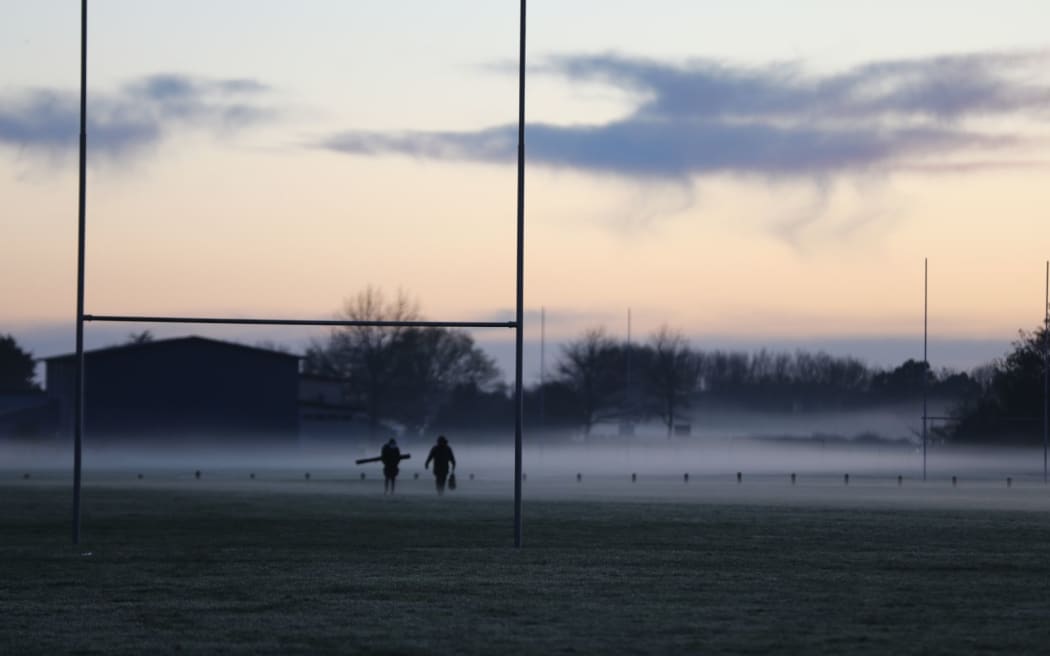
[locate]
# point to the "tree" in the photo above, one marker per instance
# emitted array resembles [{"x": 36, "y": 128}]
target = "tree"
[
  {"x": 399, "y": 373},
  {"x": 905, "y": 383},
  {"x": 827, "y": 381},
  {"x": 17, "y": 368},
  {"x": 552, "y": 403},
  {"x": 1010, "y": 407},
  {"x": 593, "y": 369},
  {"x": 672, "y": 375},
  {"x": 363, "y": 355},
  {"x": 428, "y": 365},
  {"x": 144, "y": 337},
  {"x": 958, "y": 385},
  {"x": 725, "y": 375},
  {"x": 470, "y": 407}
]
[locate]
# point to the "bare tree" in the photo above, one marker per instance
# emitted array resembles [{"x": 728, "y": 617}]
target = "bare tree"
[
  {"x": 400, "y": 373},
  {"x": 672, "y": 374},
  {"x": 363, "y": 355},
  {"x": 144, "y": 337},
  {"x": 429, "y": 363},
  {"x": 592, "y": 367}
]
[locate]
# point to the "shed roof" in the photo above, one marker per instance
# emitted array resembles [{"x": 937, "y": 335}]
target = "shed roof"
[{"x": 195, "y": 339}]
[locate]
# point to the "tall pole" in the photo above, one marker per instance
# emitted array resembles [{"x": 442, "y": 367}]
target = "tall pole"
[
  {"x": 78, "y": 379},
  {"x": 519, "y": 329},
  {"x": 925, "y": 359},
  {"x": 1046, "y": 367}
]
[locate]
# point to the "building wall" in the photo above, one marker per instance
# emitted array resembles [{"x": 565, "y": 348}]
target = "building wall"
[
  {"x": 319, "y": 389},
  {"x": 27, "y": 416},
  {"x": 190, "y": 388},
  {"x": 325, "y": 419}
]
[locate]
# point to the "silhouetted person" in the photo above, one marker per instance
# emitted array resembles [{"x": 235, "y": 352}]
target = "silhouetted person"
[
  {"x": 441, "y": 454},
  {"x": 391, "y": 458}
]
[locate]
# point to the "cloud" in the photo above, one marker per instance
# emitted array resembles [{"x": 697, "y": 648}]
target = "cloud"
[
  {"x": 944, "y": 88},
  {"x": 706, "y": 117},
  {"x": 140, "y": 114}
]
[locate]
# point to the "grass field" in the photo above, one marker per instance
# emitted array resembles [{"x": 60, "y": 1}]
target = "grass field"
[{"x": 335, "y": 567}]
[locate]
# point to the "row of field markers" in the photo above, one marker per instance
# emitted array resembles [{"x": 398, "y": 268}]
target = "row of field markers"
[{"x": 579, "y": 478}]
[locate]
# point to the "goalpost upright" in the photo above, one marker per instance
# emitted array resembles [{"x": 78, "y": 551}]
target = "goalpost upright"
[
  {"x": 82, "y": 317},
  {"x": 78, "y": 378}
]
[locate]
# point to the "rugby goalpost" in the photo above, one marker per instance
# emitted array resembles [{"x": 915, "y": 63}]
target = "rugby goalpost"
[{"x": 81, "y": 317}]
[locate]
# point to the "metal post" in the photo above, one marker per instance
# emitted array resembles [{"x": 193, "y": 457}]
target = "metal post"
[
  {"x": 518, "y": 334},
  {"x": 78, "y": 379},
  {"x": 925, "y": 359}
]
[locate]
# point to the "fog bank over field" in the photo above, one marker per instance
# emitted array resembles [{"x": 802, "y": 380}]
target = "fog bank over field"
[
  {"x": 872, "y": 446},
  {"x": 811, "y": 451},
  {"x": 885, "y": 429},
  {"x": 614, "y": 472}
]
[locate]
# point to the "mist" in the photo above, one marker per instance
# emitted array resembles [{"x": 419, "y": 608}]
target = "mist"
[{"x": 880, "y": 452}]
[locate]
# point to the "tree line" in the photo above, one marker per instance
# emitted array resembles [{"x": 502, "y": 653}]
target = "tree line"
[
  {"x": 422, "y": 378},
  {"x": 436, "y": 378},
  {"x": 599, "y": 379}
]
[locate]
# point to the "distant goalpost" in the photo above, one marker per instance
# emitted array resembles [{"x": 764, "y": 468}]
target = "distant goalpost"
[{"x": 81, "y": 317}]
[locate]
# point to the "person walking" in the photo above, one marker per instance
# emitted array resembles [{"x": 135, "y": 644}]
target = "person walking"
[
  {"x": 442, "y": 456},
  {"x": 391, "y": 458}
]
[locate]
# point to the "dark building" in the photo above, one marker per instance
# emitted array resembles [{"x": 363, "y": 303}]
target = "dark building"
[
  {"x": 27, "y": 416},
  {"x": 189, "y": 388},
  {"x": 325, "y": 417}
]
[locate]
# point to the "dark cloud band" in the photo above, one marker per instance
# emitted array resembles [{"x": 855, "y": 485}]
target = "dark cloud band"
[
  {"x": 706, "y": 117},
  {"x": 139, "y": 115}
]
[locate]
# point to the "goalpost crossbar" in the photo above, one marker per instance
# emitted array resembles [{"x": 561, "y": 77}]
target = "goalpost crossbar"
[{"x": 300, "y": 322}]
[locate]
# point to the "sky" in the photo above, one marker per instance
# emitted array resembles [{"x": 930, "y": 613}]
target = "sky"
[{"x": 752, "y": 174}]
